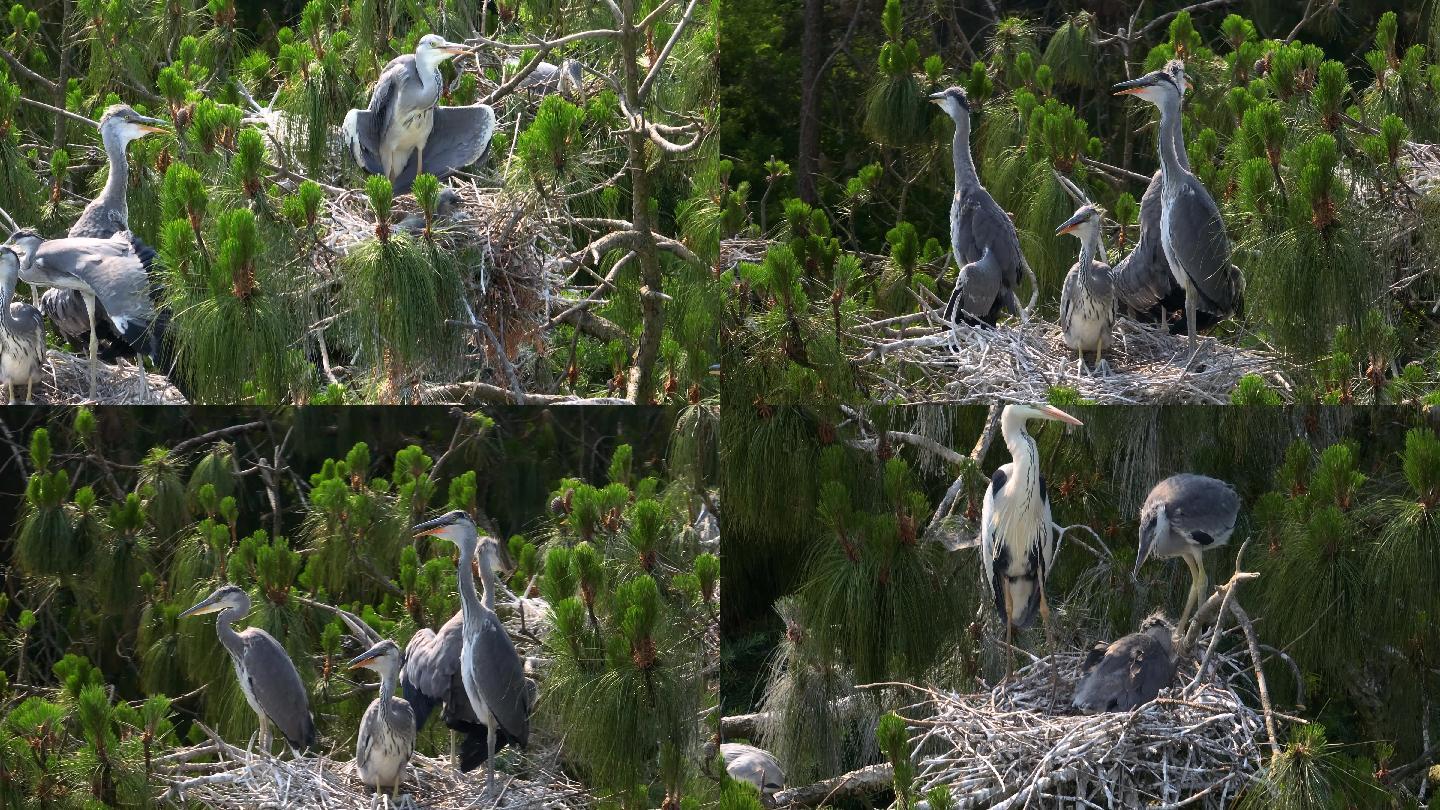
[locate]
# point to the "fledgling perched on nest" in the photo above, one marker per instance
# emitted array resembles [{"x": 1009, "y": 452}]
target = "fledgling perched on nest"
[{"x": 1130, "y": 672}]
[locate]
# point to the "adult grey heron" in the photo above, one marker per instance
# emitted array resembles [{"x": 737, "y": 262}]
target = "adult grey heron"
[
  {"x": 1184, "y": 516},
  {"x": 105, "y": 216},
  {"x": 113, "y": 273},
  {"x": 1087, "y": 301},
  {"x": 1017, "y": 537},
  {"x": 491, "y": 670},
  {"x": 986, "y": 285},
  {"x": 404, "y": 132},
  {"x": 1192, "y": 231},
  {"x": 267, "y": 676},
  {"x": 1130, "y": 672},
  {"x": 755, "y": 766},
  {"x": 431, "y": 677},
  {"x": 22, "y": 333},
  {"x": 567, "y": 79},
  {"x": 387, "y": 729}
]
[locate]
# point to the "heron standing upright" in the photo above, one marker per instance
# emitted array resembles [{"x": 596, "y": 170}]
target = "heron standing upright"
[
  {"x": 404, "y": 132},
  {"x": 105, "y": 216},
  {"x": 1184, "y": 516},
  {"x": 1087, "y": 301},
  {"x": 490, "y": 667},
  {"x": 431, "y": 677},
  {"x": 1017, "y": 537},
  {"x": 267, "y": 676},
  {"x": 985, "y": 285},
  {"x": 1130, "y": 672},
  {"x": 387, "y": 729},
  {"x": 1192, "y": 231},
  {"x": 113, "y": 273},
  {"x": 22, "y": 333}
]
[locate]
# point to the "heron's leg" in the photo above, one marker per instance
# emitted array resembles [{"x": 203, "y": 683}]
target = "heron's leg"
[
  {"x": 1049, "y": 639},
  {"x": 29, "y": 392},
  {"x": 490, "y": 753},
  {"x": 264, "y": 730},
  {"x": 94, "y": 342},
  {"x": 1190, "y": 316},
  {"x": 454, "y": 761},
  {"x": 1191, "y": 598},
  {"x": 9, "y": 394},
  {"x": 1009, "y": 637}
]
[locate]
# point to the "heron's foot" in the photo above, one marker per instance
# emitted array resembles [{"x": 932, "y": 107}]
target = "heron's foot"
[{"x": 1103, "y": 368}]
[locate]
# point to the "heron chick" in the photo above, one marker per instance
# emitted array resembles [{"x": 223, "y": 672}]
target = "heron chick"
[
  {"x": 1130, "y": 672},
  {"x": 387, "y": 729},
  {"x": 1087, "y": 301},
  {"x": 22, "y": 333}
]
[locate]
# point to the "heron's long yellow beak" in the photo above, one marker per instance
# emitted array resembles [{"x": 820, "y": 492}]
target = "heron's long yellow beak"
[
  {"x": 1058, "y": 415},
  {"x": 201, "y": 609},
  {"x": 361, "y": 662},
  {"x": 149, "y": 128}
]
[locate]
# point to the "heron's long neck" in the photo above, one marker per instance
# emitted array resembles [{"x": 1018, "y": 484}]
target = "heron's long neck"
[
  {"x": 1089, "y": 242},
  {"x": 429, "y": 76},
  {"x": 1023, "y": 452},
  {"x": 11, "y": 324},
  {"x": 1172, "y": 140},
  {"x": 1178, "y": 144},
  {"x": 118, "y": 179},
  {"x": 964, "y": 164},
  {"x": 470, "y": 605},
  {"x": 228, "y": 637},
  {"x": 387, "y": 685}
]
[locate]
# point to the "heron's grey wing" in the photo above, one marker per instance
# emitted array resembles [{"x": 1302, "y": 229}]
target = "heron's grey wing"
[
  {"x": 433, "y": 659},
  {"x": 277, "y": 687},
  {"x": 1069, "y": 296},
  {"x": 365, "y": 148},
  {"x": 384, "y": 98},
  {"x": 501, "y": 678},
  {"x": 991, "y": 227},
  {"x": 1201, "y": 508},
  {"x": 1199, "y": 243},
  {"x": 1143, "y": 278},
  {"x": 754, "y": 765},
  {"x": 461, "y": 136},
  {"x": 114, "y": 270},
  {"x": 545, "y": 78},
  {"x": 977, "y": 288},
  {"x": 98, "y": 221},
  {"x": 66, "y": 309}
]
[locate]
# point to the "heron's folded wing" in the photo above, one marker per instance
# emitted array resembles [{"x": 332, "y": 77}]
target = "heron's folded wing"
[
  {"x": 1201, "y": 245},
  {"x": 501, "y": 679},
  {"x": 979, "y": 286},
  {"x": 365, "y": 149},
  {"x": 277, "y": 687},
  {"x": 461, "y": 136}
]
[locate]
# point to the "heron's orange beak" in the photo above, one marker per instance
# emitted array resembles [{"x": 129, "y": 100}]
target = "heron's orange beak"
[
  {"x": 427, "y": 533},
  {"x": 360, "y": 662},
  {"x": 1067, "y": 228},
  {"x": 1058, "y": 415},
  {"x": 1129, "y": 91},
  {"x": 149, "y": 128}
]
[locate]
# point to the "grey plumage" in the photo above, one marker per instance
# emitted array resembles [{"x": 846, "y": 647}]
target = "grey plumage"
[
  {"x": 404, "y": 132},
  {"x": 1087, "y": 301},
  {"x": 567, "y": 79},
  {"x": 22, "y": 333},
  {"x": 755, "y": 766},
  {"x": 978, "y": 223},
  {"x": 1130, "y": 672},
  {"x": 1184, "y": 516},
  {"x": 446, "y": 205},
  {"x": 490, "y": 668},
  {"x": 386, "y": 737},
  {"x": 1192, "y": 231},
  {"x": 267, "y": 676}
]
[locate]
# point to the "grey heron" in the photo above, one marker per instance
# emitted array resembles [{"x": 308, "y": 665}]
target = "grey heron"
[
  {"x": 404, "y": 133},
  {"x": 1192, "y": 231},
  {"x": 1087, "y": 301},
  {"x": 22, "y": 333},
  {"x": 446, "y": 205},
  {"x": 387, "y": 729},
  {"x": 111, "y": 273},
  {"x": 1017, "y": 537},
  {"x": 267, "y": 676},
  {"x": 105, "y": 216},
  {"x": 755, "y": 766},
  {"x": 491, "y": 670},
  {"x": 567, "y": 79},
  {"x": 1184, "y": 516},
  {"x": 985, "y": 285},
  {"x": 431, "y": 677},
  {"x": 1130, "y": 672}
]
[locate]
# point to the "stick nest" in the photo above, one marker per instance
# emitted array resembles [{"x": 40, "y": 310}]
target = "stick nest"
[
  {"x": 1022, "y": 362},
  {"x": 238, "y": 781},
  {"x": 65, "y": 380},
  {"x": 1198, "y": 743}
]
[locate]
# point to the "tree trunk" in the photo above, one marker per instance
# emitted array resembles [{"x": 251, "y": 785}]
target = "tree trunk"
[
  {"x": 807, "y": 164},
  {"x": 641, "y": 386}
]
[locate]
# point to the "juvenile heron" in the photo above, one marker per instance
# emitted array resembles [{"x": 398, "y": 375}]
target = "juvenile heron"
[
  {"x": 404, "y": 132},
  {"x": 431, "y": 677},
  {"x": 567, "y": 79},
  {"x": 1192, "y": 231},
  {"x": 1184, "y": 516},
  {"x": 1087, "y": 301},
  {"x": 755, "y": 766},
  {"x": 22, "y": 333},
  {"x": 985, "y": 285},
  {"x": 105, "y": 216},
  {"x": 1130, "y": 672},
  {"x": 491, "y": 670},
  {"x": 1017, "y": 537},
  {"x": 446, "y": 205},
  {"x": 267, "y": 676},
  {"x": 113, "y": 273},
  {"x": 387, "y": 729}
]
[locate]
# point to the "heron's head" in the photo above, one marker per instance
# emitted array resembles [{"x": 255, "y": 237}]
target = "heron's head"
[
  {"x": 24, "y": 243},
  {"x": 1156, "y": 87},
  {"x": 454, "y": 526},
  {"x": 953, "y": 101},
  {"x": 1085, "y": 223},
  {"x": 9, "y": 268},
  {"x": 1157, "y": 621},
  {"x": 1022, "y": 412},
  {"x": 226, "y": 597},
  {"x": 1154, "y": 524},
  {"x": 447, "y": 203},
  {"x": 1175, "y": 68},
  {"x": 383, "y": 656},
  {"x": 432, "y": 49},
  {"x": 123, "y": 124}
]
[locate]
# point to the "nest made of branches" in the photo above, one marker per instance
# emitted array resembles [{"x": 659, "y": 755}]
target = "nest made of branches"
[
  {"x": 241, "y": 780},
  {"x": 1022, "y": 362},
  {"x": 1197, "y": 744},
  {"x": 65, "y": 380}
]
